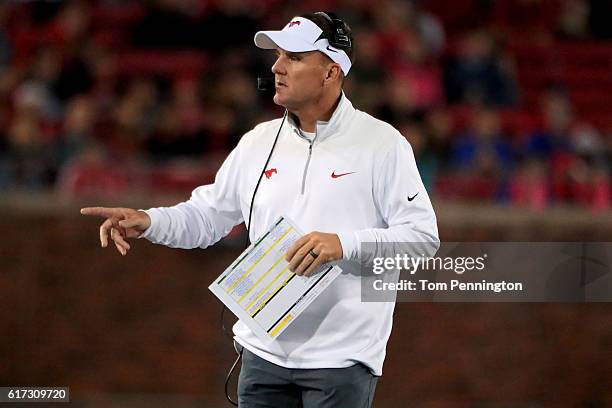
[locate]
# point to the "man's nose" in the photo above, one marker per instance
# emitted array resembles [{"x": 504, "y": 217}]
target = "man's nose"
[{"x": 278, "y": 68}]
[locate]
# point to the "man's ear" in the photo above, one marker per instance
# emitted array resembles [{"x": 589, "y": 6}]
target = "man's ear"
[{"x": 333, "y": 73}]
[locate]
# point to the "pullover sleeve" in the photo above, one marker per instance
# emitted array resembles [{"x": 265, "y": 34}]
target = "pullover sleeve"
[{"x": 401, "y": 198}]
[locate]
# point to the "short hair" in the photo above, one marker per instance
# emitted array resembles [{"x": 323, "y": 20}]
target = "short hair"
[{"x": 328, "y": 31}]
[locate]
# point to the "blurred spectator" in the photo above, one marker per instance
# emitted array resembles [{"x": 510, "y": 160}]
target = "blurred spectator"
[
  {"x": 407, "y": 44},
  {"x": 69, "y": 32},
  {"x": 104, "y": 78},
  {"x": 420, "y": 76},
  {"x": 483, "y": 156},
  {"x": 554, "y": 135},
  {"x": 585, "y": 184},
  {"x": 134, "y": 117},
  {"x": 37, "y": 89},
  {"x": 589, "y": 174},
  {"x": 179, "y": 129},
  {"x": 30, "y": 157},
  {"x": 398, "y": 22},
  {"x": 78, "y": 129},
  {"x": 551, "y": 144},
  {"x": 70, "y": 27},
  {"x": 574, "y": 19},
  {"x": 235, "y": 89},
  {"x": 439, "y": 127},
  {"x": 479, "y": 74},
  {"x": 368, "y": 94},
  {"x": 601, "y": 199},
  {"x": 427, "y": 161},
  {"x": 399, "y": 101},
  {"x": 411, "y": 40},
  {"x": 391, "y": 24},
  {"x": 483, "y": 145},
  {"x": 529, "y": 186},
  {"x": 587, "y": 142},
  {"x": 91, "y": 173},
  {"x": 166, "y": 140},
  {"x": 232, "y": 92},
  {"x": 186, "y": 103},
  {"x": 32, "y": 128},
  {"x": 427, "y": 28}
]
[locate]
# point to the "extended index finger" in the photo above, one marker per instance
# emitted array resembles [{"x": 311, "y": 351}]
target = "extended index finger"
[{"x": 99, "y": 211}]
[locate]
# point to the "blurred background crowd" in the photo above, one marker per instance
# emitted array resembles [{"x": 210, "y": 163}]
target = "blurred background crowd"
[
  {"x": 120, "y": 102},
  {"x": 503, "y": 101}
]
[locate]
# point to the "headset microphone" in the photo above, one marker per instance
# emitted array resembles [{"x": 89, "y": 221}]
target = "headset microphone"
[{"x": 265, "y": 83}]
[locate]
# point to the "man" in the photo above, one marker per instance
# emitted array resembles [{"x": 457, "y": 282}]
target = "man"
[{"x": 336, "y": 171}]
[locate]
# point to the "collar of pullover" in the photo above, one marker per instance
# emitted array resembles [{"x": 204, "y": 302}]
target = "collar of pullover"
[{"x": 339, "y": 119}]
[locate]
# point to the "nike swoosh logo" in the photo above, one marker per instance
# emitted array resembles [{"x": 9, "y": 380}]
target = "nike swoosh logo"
[
  {"x": 412, "y": 198},
  {"x": 329, "y": 49},
  {"x": 334, "y": 175}
]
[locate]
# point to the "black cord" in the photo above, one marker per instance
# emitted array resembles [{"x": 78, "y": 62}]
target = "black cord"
[
  {"x": 261, "y": 176},
  {"x": 229, "y": 376},
  {"x": 223, "y": 328},
  {"x": 246, "y": 245}
]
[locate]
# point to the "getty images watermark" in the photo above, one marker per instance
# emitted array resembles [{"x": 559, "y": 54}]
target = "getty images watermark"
[
  {"x": 487, "y": 271},
  {"x": 458, "y": 265}
]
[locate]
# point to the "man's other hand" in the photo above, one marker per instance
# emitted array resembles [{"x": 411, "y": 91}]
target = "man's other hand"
[
  {"x": 301, "y": 255},
  {"x": 121, "y": 223}
]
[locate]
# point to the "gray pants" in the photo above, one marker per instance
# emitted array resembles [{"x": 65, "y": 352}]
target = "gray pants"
[{"x": 264, "y": 384}]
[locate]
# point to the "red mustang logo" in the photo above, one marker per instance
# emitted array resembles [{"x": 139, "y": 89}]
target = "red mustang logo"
[
  {"x": 270, "y": 172},
  {"x": 294, "y": 23}
]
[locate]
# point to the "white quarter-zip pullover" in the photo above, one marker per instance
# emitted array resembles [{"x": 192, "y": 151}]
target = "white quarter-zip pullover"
[{"x": 353, "y": 179}]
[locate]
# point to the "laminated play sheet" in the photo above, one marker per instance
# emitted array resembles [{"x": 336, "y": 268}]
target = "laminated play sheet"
[{"x": 261, "y": 291}]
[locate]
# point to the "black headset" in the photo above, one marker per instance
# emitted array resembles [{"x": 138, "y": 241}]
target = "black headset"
[{"x": 340, "y": 39}]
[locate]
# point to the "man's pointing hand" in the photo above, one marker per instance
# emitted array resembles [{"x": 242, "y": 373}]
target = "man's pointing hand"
[{"x": 121, "y": 223}]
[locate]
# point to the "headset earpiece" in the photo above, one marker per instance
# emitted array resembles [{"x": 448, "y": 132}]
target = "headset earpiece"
[{"x": 340, "y": 39}]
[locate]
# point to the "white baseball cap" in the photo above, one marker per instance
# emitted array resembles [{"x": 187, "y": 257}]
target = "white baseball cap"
[{"x": 301, "y": 35}]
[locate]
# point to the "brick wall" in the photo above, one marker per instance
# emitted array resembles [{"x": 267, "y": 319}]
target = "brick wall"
[{"x": 130, "y": 327}]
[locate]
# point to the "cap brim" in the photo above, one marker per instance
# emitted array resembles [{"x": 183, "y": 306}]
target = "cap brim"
[{"x": 269, "y": 40}]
